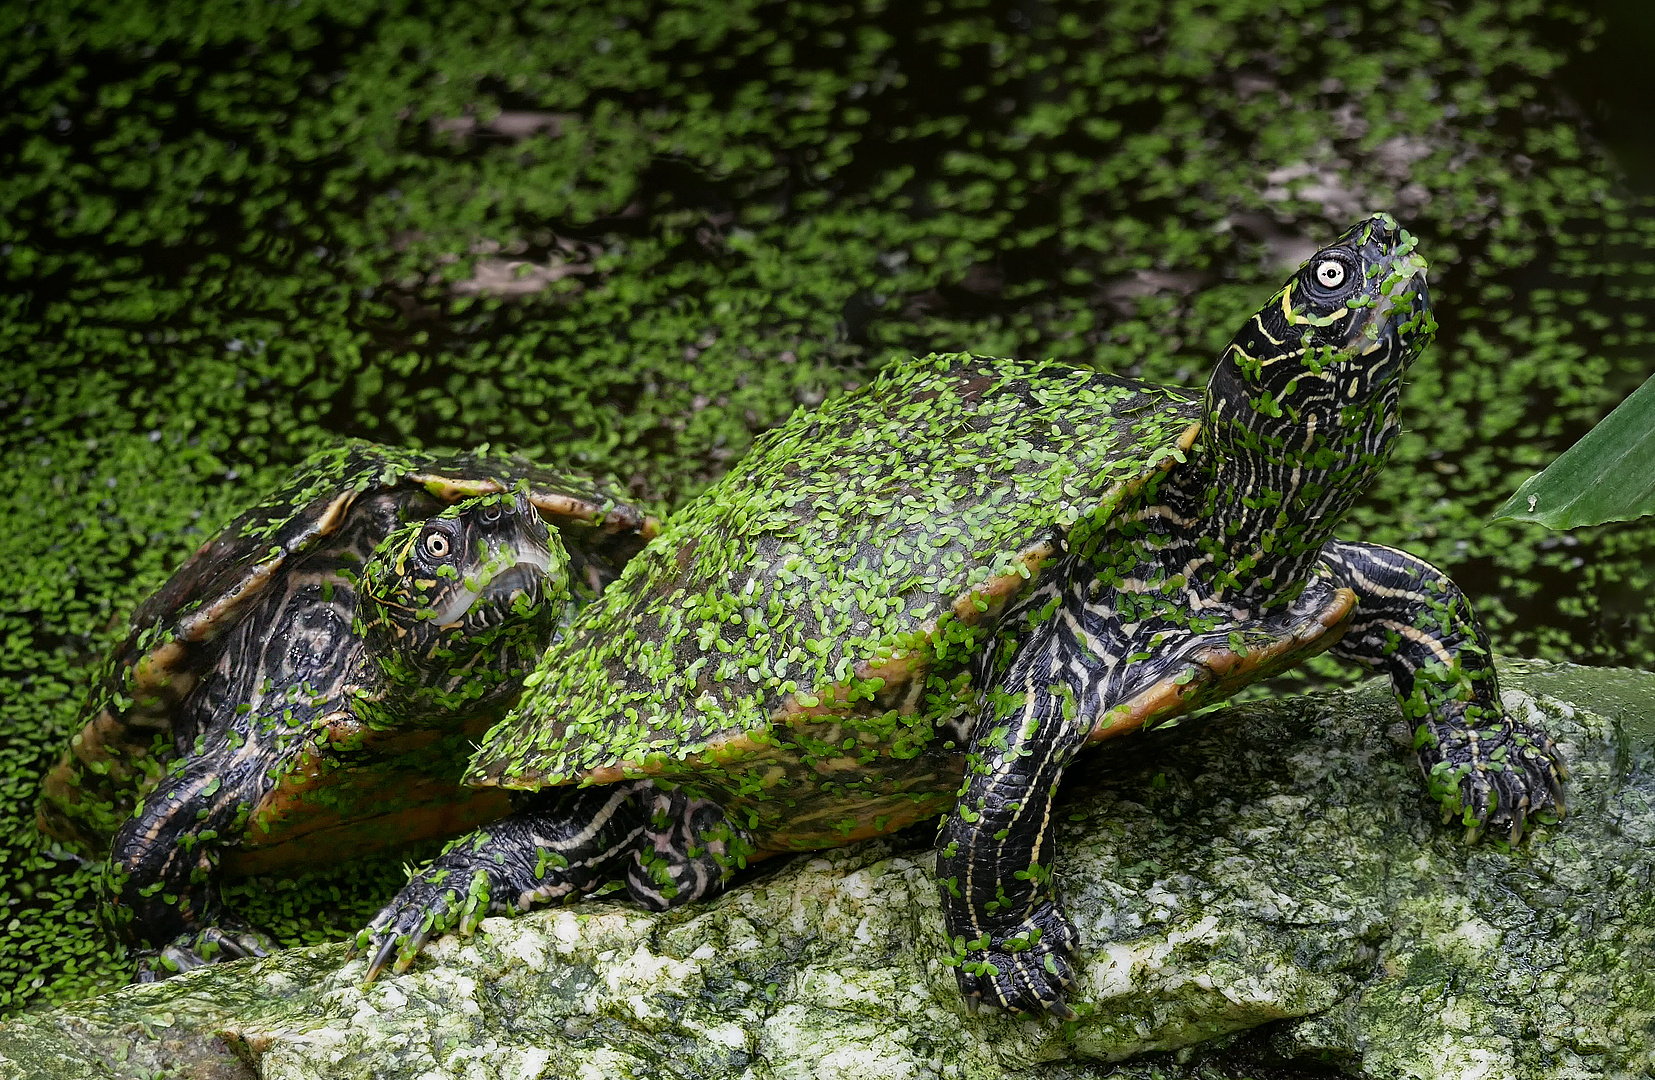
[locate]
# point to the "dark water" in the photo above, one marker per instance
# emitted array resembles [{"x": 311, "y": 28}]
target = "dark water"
[{"x": 1615, "y": 85}]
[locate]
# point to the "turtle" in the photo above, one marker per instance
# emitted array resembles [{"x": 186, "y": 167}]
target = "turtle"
[
  {"x": 927, "y": 597},
  {"x": 307, "y": 686}
]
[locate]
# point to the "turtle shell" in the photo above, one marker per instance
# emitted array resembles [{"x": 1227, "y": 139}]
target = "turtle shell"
[
  {"x": 808, "y": 622},
  {"x": 176, "y": 634}
]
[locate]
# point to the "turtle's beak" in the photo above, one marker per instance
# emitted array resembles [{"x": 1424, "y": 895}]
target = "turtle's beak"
[
  {"x": 526, "y": 578},
  {"x": 524, "y": 575},
  {"x": 1402, "y": 323},
  {"x": 1407, "y": 326}
]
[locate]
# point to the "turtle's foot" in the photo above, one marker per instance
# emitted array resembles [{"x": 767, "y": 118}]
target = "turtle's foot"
[
  {"x": 214, "y": 945},
  {"x": 1023, "y": 967},
  {"x": 436, "y": 901},
  {"x": 1500, "y": 776},
  {"x": 560, "y": 844}
]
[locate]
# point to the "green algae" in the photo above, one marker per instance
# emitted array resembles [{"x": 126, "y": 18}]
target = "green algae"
[{"x": 227, "y": 241}]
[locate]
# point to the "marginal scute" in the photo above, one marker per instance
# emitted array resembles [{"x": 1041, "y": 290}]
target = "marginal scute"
[
  {"x": 990, "y": 598},
  {"x": 453, "y": 489},
  {"x": 211, "y": 618}
]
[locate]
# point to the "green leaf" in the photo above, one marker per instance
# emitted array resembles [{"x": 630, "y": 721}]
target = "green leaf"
[{"x": 1609, "y": 475}]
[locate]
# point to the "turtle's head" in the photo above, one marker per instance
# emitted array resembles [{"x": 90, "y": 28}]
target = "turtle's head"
[
  {"x": 455, "y": 609},
  {"x": 1336, "y": 337}
]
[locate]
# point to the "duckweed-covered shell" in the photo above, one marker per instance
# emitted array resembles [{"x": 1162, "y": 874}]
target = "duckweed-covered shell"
[
  {"x": 829, "y": 591},
  {"x": 128, "y": 735}
]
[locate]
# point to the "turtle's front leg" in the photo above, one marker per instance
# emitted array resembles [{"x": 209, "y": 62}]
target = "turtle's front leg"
[
  {"x": 994, "y": 864},
  {"x": 560, "y": 842},
  {"x": 158, "y": 886},
  {"x": 1415, "y": 625}
]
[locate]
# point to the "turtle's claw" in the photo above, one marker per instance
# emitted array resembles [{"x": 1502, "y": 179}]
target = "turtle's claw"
[
  {"x": 1023, "y": 969},
  {"x": 390, "y": 940},
  {"x": 428, "y": 906},
  {"x": 1501, "y": 777},
  {"x": 381, "y": 957},
  {"x": 211, "y": 945}
]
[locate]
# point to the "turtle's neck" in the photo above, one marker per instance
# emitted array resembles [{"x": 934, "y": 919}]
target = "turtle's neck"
[{"x": 1245, "y": 517}]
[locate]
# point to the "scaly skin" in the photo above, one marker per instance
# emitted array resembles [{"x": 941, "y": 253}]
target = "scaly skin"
[
  {"x": 558, "y": 845},
  {"x": 1416, "y": 626}
]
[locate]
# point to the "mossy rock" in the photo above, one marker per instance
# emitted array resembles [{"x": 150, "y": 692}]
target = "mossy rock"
[{"x": 1263, "y": 885}]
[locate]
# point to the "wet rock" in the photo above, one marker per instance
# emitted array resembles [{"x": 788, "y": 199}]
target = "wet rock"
[{"x": 1266, "y": 881}]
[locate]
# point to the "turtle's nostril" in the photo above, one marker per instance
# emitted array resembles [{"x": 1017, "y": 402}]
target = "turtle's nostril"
[{"x": 491, "y": 513}]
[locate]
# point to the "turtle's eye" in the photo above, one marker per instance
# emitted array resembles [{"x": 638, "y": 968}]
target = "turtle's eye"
[
  {"x": 437, "y": 545},
  {"x": 1330, "y": 279}
]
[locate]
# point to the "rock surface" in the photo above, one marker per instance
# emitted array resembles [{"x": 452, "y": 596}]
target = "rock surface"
[{"x": 1270, "y": 869}]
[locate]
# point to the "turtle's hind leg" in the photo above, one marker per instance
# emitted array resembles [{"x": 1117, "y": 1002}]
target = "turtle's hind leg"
[
  {"x": 559, "y": 843},
  {"x": 1415, "y": 625},
  {"x": 689, "y": 851}
]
